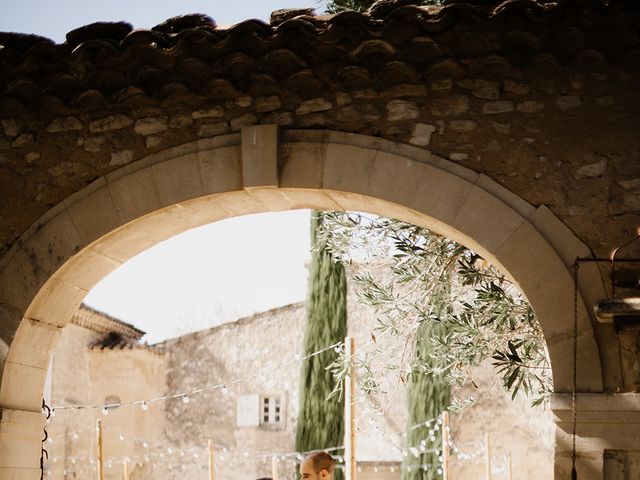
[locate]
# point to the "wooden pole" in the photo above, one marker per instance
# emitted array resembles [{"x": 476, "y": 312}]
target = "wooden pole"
[
  {"x": 509, "y": 471},
  {"x": 274, "y": 468},
  {"x": 487, "y": 443},
  {"x": 445, "y": 445},
  {"x": 100, "y": 451},
  {"x": 350, "y": 413},
  {"x": 126, "y": 468},
  {"x": 212, "y": 461}
]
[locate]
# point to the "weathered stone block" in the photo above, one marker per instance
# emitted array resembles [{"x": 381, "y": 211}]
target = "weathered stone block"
[
  {"x": 93, "y": 144},
  {"x": 343, "y": 99},
  {"x": 441, "y": 84},
  {"x": 592, "y": 170},
  {"x": 503, "y": 128},
  {"x": 459, "y": 157},
  {"x": 121, "y": 158},
  {"x": 244, "y": 102},
  {"x": 31, "y": 157},
  {"x": 487, "y": 89},
  {"x": 22, "y": 140},
  {"x": 501, "y": 106},
  {"x": 404, "y": 90},
  {"x": 530, "y": 106},
  {"x": 313, "y": 106},
  {"x": 629, "y": 184},
  {"x": 260, "y": 156},
  {"x": 462, "y": 125},
  {"x": 10, "y": 127},
  {"x": 150, "y": 125},
  {"x": 399, "y": 110},
  {"x": 243, "y": 121},
  {"x": 215, "y": 112},
  {"x": 450, "y": 105},
  {"x": 267, "y": 104},
  {"x": 607, "y": 101},
  {"x": 153, "y": 141},
  {"x": 567, "y": 102},
  {"x": 180, "y": 121},
  {"x": 64, "y": 124},
  {"x": 280, "y": 118},
  {"x": 518, "y": 88},
  {"x": 628, "y": 203},
  {"x": 422, "y": 134},
  {"x": 112, "y": 122},
  {"x": 213, "y": 129}
]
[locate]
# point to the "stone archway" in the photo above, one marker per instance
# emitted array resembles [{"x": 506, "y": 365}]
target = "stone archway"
[{"x": 49, "y": 271}]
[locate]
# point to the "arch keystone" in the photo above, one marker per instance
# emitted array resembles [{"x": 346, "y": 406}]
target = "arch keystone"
[{"x": 260, "y": 156}]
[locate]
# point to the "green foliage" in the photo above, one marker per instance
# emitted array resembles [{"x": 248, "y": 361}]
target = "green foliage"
[
  {"x": 428, "y": 395},
  {"x": 335, "y": 6},
  {"x": 429, "y": 279},
  {"x": 320, "y": 421}
]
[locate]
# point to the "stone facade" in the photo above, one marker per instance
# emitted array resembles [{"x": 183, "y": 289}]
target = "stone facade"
[
  {"x": 176, "y": 433},
  {"x": 88, "y": 368}
]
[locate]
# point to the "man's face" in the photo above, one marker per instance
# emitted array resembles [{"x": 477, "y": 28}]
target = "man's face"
[{"x": 307, "y": 472}]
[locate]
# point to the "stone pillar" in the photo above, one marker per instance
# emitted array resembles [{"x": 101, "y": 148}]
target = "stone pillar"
[
  {"x": 21, "y": 434},
  {"x": 608, "y": 431}
]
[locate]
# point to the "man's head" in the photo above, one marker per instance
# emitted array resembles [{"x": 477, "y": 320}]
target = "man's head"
[{"x": 317, "y": 466}]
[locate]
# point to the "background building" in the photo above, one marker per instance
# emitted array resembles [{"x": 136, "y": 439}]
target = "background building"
[{"x": 251, "y": 420}]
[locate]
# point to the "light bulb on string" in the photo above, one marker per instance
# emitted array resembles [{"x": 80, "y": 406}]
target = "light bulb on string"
[
  {"x": 121, "y": 437},
  {"x": 144, "y": 406},
  {"x": 105, "y": 411},
  {"x": 225, "y": 390},
  {"x": 185, "y": 398}
]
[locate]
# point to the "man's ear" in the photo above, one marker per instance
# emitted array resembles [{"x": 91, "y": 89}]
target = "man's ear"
[{"x": 324, "y": 473}]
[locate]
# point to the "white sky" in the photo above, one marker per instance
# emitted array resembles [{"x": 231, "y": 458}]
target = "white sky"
[
  {"x": 54, "y": 18},
  {"x": 208, "y": 275}
]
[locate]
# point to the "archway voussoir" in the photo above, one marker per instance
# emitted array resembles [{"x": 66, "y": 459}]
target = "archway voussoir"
[
  {"x": 138, "y": 236},
  {"x": 82, "y": 210},
  {"x": 20, "y": 443},
  {"x": 34, "y": 341},
  {"x": 524, "y": 208},
  {"x": 85, "y": 271},
  {"x": 348, "y": 168},
  {"x": 302, "y": 164},
  {"x": 311, "y": 199},
  {"x": 440, "y": 195},
  {"x": 55, "y": 303},
  {"x": 221, "y": 169},
  {"x": 395, "y": 178},
  {"x": 53, "y": 243},
  {"x": 134, "y": 195},
  {"x": 178, "y": 179},
  {"x": 20, "y": 279},
  {"x": 22, "y": 387},
  {"x": 486, "y": 219}
]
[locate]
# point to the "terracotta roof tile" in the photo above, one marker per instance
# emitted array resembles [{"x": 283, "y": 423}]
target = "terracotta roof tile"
[{"x": 112, "y": 64}]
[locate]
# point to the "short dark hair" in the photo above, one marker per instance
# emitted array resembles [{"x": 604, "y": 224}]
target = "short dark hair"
[{"x": 321, "y": 461}]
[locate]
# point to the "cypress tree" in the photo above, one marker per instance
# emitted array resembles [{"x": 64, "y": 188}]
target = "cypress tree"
[
  {"x": 321, "y": 421},
  {"x": 428, "y": 395}
]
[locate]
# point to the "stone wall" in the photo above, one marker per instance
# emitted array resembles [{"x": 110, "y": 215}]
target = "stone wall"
[
  {"x": 265, "y": 340},
  {"x": 541, "y": 99},
  {"x": 81, "y": 375}
]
